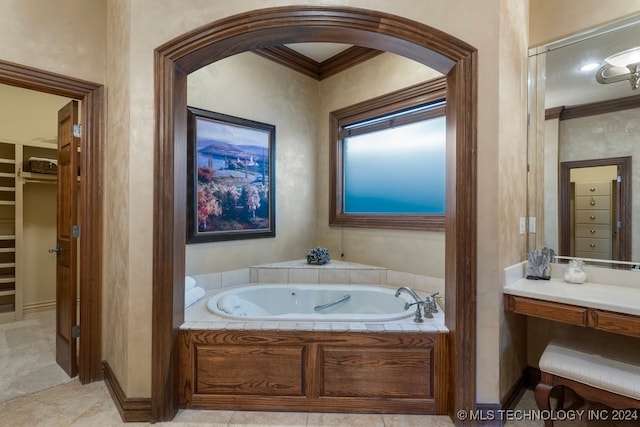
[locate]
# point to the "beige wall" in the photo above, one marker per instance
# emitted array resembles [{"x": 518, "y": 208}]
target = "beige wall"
[
  {"x": 556, "y": 19},
  {"x": 124, "y": 316},
  {"x": 255, "y": 88},
  {"x": 39, "y": 287},
  {"x": 252, "y": 87},
  {"x": 408, "y": 251},
  {"x": 504, "y": 246},
  {"x": 62, "y": 36}
]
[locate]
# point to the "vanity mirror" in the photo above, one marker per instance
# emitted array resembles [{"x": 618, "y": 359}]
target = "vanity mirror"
[{"x": 584, "y": 144}]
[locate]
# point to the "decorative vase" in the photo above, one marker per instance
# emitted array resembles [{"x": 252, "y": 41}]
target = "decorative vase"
[{"x": 573, "y": 272}]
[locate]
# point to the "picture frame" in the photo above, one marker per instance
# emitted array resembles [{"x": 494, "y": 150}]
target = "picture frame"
[{"x": 230, "y": 177}]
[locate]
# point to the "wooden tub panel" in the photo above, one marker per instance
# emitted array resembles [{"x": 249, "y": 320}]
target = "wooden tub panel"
[
  {"x": 364, "y": 372},
  {"x": 313, "y": 371},
  {"x": 249, "y": 370}
]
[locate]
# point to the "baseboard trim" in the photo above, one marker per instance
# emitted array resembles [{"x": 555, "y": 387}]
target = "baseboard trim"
[
  {"x": 488, "y": 415},
  {"x": 510, "y": 400},
  {"x": 131, "y": 409},
  {"x": 39, "y": 306}
]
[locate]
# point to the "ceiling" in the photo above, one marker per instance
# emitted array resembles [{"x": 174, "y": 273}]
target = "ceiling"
[
  {"x": 319, "y": 52},
  {"x": 567, "y": 86},
  {"x": 318, "y": 60}
]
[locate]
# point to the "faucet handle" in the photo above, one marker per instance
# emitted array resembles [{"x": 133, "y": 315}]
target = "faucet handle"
[
  {"x": 428, "y": 308},
  {"x": 418, "y": 316},
  {"x": 434, "y": 304}
]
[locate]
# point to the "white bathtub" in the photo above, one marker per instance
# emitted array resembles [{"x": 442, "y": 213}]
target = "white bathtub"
[{"x": 304, "y": 302}]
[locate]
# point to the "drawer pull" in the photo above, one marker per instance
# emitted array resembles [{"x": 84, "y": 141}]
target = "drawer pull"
[
  {"x": 592, "y": 202},
  {"x": 592, "y": 217},
  {"x": 593, "y": 245},
  {"x": 592, "y": 189},
  {"x": 592, "y": 231}
]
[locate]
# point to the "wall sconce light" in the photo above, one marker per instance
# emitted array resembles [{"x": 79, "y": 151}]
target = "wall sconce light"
[{"x": 621, "y": 66}]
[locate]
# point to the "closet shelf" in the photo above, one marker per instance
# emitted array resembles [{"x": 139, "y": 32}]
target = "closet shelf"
[
  {"x": 7, "y": 250},
  {"x": 7, "y": 202},
  {"x": 38, "y": 177},
  {"x": 8, "y": 161},
  {"x": 7, "y": 175},
  {"x": 6, "y": 293},
  {"x": 13, "y": 189},
  {"x": 7, "y": 237},
  {"x": 7, "y": 264},
  {"x": 7, "y": 278}
]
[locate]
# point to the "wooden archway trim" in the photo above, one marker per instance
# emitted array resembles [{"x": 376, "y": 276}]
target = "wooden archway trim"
[
  {"x": 275, "y": 26},
  {"x": 91, "y": 190}
]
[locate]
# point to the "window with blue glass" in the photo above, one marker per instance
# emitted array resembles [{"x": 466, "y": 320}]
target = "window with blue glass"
[{"x": 389, "y": 160}]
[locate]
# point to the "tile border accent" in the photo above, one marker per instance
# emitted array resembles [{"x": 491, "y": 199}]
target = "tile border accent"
[{"x": 131, "y": 409}]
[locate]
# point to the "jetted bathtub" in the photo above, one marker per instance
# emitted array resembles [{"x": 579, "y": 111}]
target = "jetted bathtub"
[
  {"x": 311, "y": 302},
  {"x": 268, "y": 358}
]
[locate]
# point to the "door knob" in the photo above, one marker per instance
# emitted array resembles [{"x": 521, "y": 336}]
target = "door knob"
[{"x": 56, "y": 250}]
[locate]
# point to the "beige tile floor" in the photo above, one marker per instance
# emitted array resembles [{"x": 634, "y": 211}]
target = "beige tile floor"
[{"x": 71, "y": 404}]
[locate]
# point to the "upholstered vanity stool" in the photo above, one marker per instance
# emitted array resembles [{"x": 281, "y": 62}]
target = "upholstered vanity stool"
[{"x": 606, "y": 375}]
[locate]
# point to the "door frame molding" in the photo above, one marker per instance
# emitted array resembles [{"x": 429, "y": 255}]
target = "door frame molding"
[
  {"x": 91, "y": 199},
  {"x": 624, "y": 165},
  {"x": 290, "y": 24}
]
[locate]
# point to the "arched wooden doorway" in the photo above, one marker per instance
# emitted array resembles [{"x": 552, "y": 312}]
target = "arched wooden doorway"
[{"x": 298, "y": 24}]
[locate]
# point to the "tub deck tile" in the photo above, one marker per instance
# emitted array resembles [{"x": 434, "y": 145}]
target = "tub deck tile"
[
  {"x": 322, "y": 326},
  {"x": 236, "y": 326},
  {"x": 304, "y": 326},
  {"x": 340, "y": 327},
  {"x": 287, "y": 326},
  {"x": 356, "y": 327}
]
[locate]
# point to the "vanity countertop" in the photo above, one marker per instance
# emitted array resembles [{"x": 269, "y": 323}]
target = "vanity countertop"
[{"x": 615, "y": 298}]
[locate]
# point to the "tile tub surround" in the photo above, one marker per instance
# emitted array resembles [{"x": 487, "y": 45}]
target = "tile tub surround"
[
  {"x": 334, "y": 272},
  {"x": 300, "y": 272},
  {"x": 198, "y": 317}
]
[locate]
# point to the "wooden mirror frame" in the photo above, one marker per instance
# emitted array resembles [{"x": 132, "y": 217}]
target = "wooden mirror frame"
[
  {"x": 298, "y": 24},
  {"x": 624, "y": 240}
]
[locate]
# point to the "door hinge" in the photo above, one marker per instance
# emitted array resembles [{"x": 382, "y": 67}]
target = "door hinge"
[
  {"x": 75, "y": 331},
  {"x": 618, "y": 224},
  {"x": 75, "y": 231},
  {"x": 619, "y": 178},
  {"x": 77, "y": 130}
]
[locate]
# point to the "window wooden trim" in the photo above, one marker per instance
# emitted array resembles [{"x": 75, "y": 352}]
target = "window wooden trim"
[{"x": 410, "y": 97}]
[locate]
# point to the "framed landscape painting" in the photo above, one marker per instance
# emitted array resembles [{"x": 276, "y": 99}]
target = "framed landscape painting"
[{"x": 230, "y": 183}]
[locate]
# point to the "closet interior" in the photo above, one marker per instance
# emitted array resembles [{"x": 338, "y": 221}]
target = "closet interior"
[{"x": 28, "y": 201}]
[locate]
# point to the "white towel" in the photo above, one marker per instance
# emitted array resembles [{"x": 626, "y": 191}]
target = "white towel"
[
  {"x": 193, "y": 295},
  {"x": 189, "y": 283}
]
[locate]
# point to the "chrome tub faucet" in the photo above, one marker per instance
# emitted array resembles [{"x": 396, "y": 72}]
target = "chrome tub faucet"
[{"x": 418, "y": 302}]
